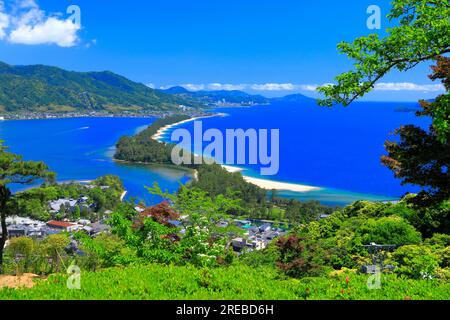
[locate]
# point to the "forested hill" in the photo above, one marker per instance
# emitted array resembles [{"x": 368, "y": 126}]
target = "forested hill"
[{"x": 40, "y": 88}]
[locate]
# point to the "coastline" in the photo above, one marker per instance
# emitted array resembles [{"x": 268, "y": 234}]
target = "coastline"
[
  {"x": 272, "y": 184},
  {"x": 260, "y": 182},
  {"x": 163, "y": 130}
]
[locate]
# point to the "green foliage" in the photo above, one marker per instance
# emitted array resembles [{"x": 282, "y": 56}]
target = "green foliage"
[
  {"x": 38, "y": 257},
  {"x": 215, "y": 180},
  {"x": 154, "y": 239},
  {"x": 158, "y": 282},
  {"x": 389, "y": 230},
  {"x": 304, "y": 212},
  {"x": 300, "y": 257},
  {"x": 143, "y": 148},
  {"x": 33, "y": 203},
  {"x": 42, "y": 88},
  {"x": 429, "y": 220},
  {"x": 417, "y": 262},
  {"x": 14, "y": 170},
  {"x": 104, "y": 251},
  {"x": 342, "y": 235},
  {"x": 261, "y": 258},
  {"x": 253, "y": 200},
  {"x": 422, "y": 32},
  {"x": 441, "y": 240}
]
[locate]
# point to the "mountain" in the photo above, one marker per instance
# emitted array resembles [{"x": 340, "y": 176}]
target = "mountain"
[
  {"x": 219, "y": 97},
  {"x": 293, "y": 98},
  {"x": 40, "y": 88},
  {"x": 177, "y": 90}
]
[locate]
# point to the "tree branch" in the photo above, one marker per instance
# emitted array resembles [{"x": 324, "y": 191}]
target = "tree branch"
[{"x": 395, "y": 62}]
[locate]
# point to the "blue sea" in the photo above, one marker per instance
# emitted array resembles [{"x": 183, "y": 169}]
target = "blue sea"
[
  {"x": 336, "y": 149},
  {"x": 80, "y": 149}
]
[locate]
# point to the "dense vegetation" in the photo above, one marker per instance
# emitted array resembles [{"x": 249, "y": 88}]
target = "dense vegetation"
[
  {"x": 421, "y": 34},
  {"x": 254, "y": 201},
  {"x": 159, "y": 282},
  {"x": 148, "y": 256},
  {"x": 422, "y": 157},
  {"x": 14, "y": 170},
  {"x": 33, "y": 203},
  {"x": 143, "y": 148},
  {"x": 42, "y": 88},
  {"x": 339, "y": 242}
]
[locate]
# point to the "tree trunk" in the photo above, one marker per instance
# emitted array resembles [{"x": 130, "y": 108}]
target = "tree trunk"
[{"x": 4, "y": 196}]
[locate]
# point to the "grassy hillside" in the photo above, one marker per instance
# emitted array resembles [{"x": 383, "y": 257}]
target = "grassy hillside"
[
  {"x": 170, "y": 282},
  {"x": 41, "y": 88}
]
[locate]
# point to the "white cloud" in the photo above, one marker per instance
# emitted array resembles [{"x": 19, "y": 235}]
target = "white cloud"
[
  {"x": 168, "y": 86},
  {"x": 193, "y": 87},
  {"x": 150, "y": 85},
  {"x": 273, "y": 87},
  {"x": 227, "y": 87},
  {"x": 408, "y": 86},
  {"x": 308, "y": 87},
  {"x": 284, "y": 87},
  {"x": 27, "y": 24},
  {"x": 52, "y": 31},
  {"x": 4, "y": 21}
]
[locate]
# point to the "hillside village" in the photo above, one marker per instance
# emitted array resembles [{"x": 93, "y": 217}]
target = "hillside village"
[{"x": 254, "y": 235}]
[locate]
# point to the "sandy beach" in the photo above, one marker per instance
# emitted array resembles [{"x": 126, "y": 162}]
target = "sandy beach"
[
  {"x": 158, "y": 135},
  {"x": 262, "y": 183},
  {"x": 270, "y": 184}
]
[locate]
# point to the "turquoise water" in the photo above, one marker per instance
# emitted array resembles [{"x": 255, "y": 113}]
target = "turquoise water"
[
  {"x": 336, "y": 149},
  {"x": 82, "y": 149}
]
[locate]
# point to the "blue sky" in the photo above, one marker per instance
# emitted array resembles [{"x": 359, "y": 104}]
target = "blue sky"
[{"x": 265, "y": 46}]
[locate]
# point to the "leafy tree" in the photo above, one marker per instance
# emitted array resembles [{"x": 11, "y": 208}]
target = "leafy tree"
[
  {"x": 418, "y": 262},
  {"x": 14, "y": 170},
  {"x": 161, "y": 213},
  {"x": 389, "y": 230},
  {"x": 23, "y": 248},
  {"x": 54, "y": 247},
  {"x": 422, "y": 34},
  {"x": 203, "y": 243},
  {"x": 423, "y": 157},
  {"x": 104, "y": 251},
  {"x": 299, "y": 257}
]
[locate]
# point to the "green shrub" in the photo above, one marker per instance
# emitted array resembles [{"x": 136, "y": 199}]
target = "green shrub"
[
  {"x": 389, "y": 230},
  {"x": 441, "y": 240},
  {"x": 237, "y": 282},
  {"x": 416, "y": 261}
]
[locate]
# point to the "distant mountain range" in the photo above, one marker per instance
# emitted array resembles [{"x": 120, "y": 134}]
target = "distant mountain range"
[
  {"x": 213, "y": 98},
  {"x": 293, "y": 98},
  {"x": 39, "y": 88},
  {"x": 233, "y": 97}
]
